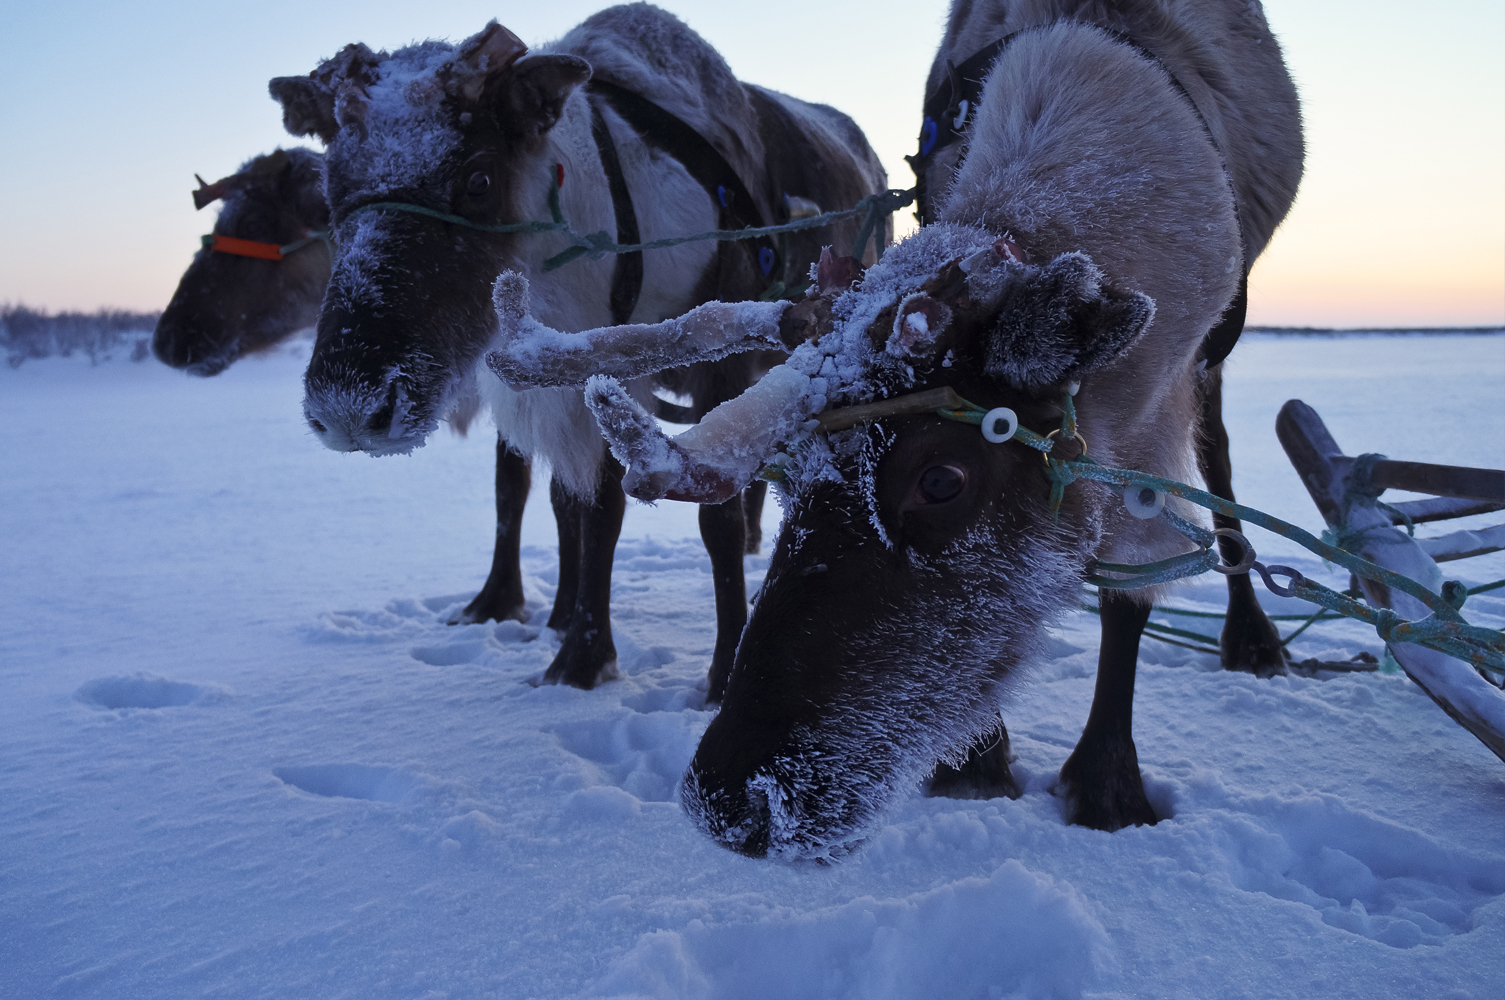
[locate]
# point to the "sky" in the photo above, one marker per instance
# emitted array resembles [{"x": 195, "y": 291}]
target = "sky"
[{"x": 109, "y": 109}]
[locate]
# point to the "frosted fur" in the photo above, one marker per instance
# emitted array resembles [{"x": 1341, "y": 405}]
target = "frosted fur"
[
  {"x": 400, "y": 138},
  {"x": 715, "y": 459},
  {"x": 653, "y": 53},
  {"x": 1101, "y": 242}
]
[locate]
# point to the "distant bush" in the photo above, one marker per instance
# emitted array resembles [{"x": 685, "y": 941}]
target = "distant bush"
[{"x": 29, "y": 333}]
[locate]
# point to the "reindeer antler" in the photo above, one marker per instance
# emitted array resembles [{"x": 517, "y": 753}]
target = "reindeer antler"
[
  {"x": 536, "y": 356},
  {"x": 208, "y": 193}
]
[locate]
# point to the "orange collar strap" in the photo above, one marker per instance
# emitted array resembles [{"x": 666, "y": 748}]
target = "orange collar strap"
[{"x": 243, "y": 248}]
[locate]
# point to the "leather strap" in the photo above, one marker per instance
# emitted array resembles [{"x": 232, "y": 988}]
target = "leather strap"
[
  {"x": 627, "y": 274},
  {"x": 738, "y": 209}
]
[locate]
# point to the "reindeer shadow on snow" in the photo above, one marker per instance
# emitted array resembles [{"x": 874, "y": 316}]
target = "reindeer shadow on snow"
[{"x": 1095, "y": 179}]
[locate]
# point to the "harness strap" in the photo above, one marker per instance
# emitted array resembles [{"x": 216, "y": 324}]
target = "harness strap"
[
  {"x": 738, "y": 209},
  {"x": 243, "y": 248},
  {"x": 953, "y": 103},
  {"x": 627, "y": 274},
  {"x": 265, "y": 251}
]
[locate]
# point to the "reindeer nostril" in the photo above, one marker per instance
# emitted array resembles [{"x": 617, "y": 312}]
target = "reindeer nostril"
[
  {"x": 381, "y": 420},
  {"x": 318, "y": 427}
]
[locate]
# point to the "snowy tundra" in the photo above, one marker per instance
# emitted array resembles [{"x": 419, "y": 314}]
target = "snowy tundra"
[
  {"x": 1083, "y": 244},
  {"x": 243, "y": 755},
  {"x": 634, "y": 124}
]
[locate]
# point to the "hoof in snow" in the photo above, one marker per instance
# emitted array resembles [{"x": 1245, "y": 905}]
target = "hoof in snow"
[
  {"x": 493, "y": 604},
  {"x": 985, "y": 774},
  {"x": 1250, "y": 642},
  {"x": 585, "y": 659},
  {"x": 1104, "y": 791}
]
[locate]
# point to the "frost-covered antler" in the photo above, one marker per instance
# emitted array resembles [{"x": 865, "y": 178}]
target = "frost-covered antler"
[
  {"x": 534, "y": 355},
  {"x": 712, "y": 461}
]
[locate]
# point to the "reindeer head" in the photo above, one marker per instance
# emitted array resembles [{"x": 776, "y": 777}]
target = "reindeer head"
[
  {"x": 227, "y": 306},
  {"x": 458, "y": 130},
  {"x": 918, "y": 563}
]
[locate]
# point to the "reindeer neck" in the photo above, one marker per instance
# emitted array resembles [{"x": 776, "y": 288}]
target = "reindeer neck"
[{"x": 574, "y": 297}]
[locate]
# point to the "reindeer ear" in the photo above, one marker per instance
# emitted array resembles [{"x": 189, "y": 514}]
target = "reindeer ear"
[
  {"x": 308, "y": 102},
  {"x": 307, "y": 106},
  {"x": 539, "y": 86},
  {"x": 1059, "y": 322}
]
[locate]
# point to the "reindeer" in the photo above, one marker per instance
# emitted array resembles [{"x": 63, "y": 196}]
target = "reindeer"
[
  {"x": 439, "y": 154},
  {"x": 1112, "y": 176},
  {"x": 261, "y": 276}
]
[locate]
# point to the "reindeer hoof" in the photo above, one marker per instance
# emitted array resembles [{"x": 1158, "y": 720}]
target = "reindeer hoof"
[
  {"x": 489, "y": 606},
  {"x": 585, "y": 659},
  {"x": 1104, "y": 791},
  {"x": 984, "y": 775},
  {"x": 1250, "y": 642}
]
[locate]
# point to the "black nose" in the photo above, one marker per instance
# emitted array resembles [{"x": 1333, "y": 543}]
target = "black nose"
[
  {"x": 729, "y": 812},
  {"x": 380, "y": 420}
]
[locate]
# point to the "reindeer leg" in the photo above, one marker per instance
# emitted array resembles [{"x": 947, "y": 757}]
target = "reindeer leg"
[
  {"x": 587, "y": 656},
  {"x": 724, "y": 532},
  {"x": 1100, "y": 780},
  {"x": 501, "y": 597},
  {"x": 568, "y": 511},
  {"x": 752, "y": 514},
  {"x": 1250, "y": 641},
  {"x": 984, "y": 775}
]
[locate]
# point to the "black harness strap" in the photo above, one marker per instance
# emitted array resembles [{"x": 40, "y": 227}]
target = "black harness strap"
[
  {"x": 737, "y": 207},
  {"x": 627, "y": 274},
  {"x": 952, "y": 105}
]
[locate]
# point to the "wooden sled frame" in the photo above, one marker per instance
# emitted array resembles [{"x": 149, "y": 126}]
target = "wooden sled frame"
[{"x": 1349, "y": 505}]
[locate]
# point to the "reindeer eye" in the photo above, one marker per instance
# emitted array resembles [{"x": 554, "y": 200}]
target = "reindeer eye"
[
  {"x": 941, "y": 483},
  {"x": 478, "y": 184}
]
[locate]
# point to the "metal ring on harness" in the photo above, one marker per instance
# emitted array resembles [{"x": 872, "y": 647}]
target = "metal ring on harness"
[
  {"x": 1246, "y": 561},
  {"x": 1076, "y": 436}
]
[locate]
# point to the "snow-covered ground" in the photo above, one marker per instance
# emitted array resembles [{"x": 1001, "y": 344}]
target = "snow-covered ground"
[{"x": 242, "y": 756}]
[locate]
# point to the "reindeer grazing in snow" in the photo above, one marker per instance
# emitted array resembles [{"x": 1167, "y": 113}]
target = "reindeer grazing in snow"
[
  {"x": 635, "y": 125},
  {"x": 1118, "y": 166}
]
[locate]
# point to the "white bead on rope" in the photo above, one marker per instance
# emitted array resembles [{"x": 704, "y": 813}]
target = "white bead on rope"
[
  {"x": 1000, "y": 424},
  {"x": 1143, "y": 502}
]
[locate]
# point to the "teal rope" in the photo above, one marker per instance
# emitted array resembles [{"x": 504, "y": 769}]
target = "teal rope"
[
  {"x": 598, "y": 244},
  {"x": 1444, "y": 631}
]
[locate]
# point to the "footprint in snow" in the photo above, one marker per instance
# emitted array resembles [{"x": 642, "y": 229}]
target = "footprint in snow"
[
  {"x": 146, "y": 691},
  {"x": 1365, "y": 875},
  {"x": 642, "y": 754},
  {"x": 350, "y": 781}
]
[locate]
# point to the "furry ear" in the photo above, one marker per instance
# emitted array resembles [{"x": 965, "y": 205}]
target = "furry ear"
[
  {"x": 307, "y": 106},
  {"x": 1060, "y": 322},
  {"x": 308, "y": 102},
  {"x": 537, "y": 88}
]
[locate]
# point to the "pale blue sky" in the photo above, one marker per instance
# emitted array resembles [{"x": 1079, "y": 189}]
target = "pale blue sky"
[{"x": 109, "y": 109}]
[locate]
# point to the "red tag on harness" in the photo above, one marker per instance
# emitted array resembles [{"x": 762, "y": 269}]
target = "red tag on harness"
[
  {"x": 559, "y": 175},
  {"x": 244, "y": 248}
]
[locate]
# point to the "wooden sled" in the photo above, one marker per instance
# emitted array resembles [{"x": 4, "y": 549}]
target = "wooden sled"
[{"x": 1346, "y": 489}]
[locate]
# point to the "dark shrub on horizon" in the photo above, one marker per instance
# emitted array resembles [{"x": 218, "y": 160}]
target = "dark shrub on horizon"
[{"x": 30, "y": 333}]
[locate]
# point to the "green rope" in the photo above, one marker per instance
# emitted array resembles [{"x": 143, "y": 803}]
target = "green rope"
[
  {"x": 1444, "y": 631},
  {"x": 598, "y": 244}
]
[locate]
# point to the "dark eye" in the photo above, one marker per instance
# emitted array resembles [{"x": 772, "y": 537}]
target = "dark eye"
[
  {"x": 940, "y": 483},
  {"x": 478, "y": 184}
]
